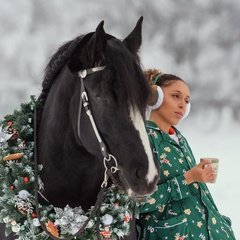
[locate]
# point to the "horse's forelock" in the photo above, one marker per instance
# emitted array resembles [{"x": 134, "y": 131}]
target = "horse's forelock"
[{"x": 128, "y": 81}]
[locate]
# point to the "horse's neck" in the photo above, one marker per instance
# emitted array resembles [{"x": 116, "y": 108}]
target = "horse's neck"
[{"x": 71, "y": 174}]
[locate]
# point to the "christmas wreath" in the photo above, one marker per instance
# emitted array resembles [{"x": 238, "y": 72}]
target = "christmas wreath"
[{"x": 17, "y": 202}]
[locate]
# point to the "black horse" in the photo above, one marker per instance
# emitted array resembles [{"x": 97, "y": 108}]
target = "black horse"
[{"x": 93, "y": 102}]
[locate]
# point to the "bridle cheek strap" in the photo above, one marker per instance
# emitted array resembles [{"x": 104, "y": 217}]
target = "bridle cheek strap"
[{"x": 84, "y": 101}]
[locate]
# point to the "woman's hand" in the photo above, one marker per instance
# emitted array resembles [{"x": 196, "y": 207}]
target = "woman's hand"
[{"x": 203, "y": 172}]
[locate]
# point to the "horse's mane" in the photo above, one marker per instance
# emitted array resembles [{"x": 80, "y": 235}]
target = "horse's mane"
[{"x": 54, "y": 66}]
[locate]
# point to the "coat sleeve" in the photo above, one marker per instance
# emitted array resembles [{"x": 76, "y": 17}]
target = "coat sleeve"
[{"x": 172, "y": 190}]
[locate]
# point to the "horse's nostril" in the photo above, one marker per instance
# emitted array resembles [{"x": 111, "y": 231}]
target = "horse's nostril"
[{"x": 140, "y": 173}]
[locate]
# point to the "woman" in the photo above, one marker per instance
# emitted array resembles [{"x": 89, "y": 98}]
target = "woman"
[{"x": 182, "y": 207}]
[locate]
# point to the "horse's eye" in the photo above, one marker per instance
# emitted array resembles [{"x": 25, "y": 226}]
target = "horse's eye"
[{"x": 102, "y": 100}]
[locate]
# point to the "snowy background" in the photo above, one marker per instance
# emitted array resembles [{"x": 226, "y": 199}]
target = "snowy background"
[{"x": 197, "y": 40}]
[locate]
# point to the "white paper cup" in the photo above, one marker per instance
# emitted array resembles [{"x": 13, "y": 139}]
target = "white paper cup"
[{"x": 215, "y": 165}]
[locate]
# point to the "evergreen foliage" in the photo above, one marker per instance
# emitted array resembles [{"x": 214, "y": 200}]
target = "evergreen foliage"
[{"x": 17, "y": 184}]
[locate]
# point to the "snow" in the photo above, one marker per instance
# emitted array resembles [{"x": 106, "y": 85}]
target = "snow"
[
  {"x": 197, "y": 40},
  {"x": 220, "y": 140}
]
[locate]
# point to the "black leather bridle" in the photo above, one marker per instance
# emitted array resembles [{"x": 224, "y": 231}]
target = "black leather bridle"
[{"x": 106, "y": 157}]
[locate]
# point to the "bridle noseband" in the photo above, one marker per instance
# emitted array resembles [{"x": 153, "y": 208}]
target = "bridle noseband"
[{"x": 84, "y": 101}]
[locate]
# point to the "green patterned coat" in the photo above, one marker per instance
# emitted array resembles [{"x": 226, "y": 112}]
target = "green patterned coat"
[{"x": 178, "y": 211}]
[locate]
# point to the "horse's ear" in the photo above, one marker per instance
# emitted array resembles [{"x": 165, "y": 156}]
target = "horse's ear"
[
  {"x": 97, "y": 45},
  {"x": 134, "y": 40}
]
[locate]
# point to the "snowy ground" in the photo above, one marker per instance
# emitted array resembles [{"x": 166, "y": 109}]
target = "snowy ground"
[{"x": 220, "y": 140}]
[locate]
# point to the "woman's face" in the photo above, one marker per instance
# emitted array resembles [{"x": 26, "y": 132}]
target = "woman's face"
[{"x": 176, "y": 98}]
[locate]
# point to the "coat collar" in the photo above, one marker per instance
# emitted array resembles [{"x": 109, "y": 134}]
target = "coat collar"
[{"x": 164, "y": 135}]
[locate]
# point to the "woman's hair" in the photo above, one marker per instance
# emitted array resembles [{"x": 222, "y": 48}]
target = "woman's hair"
[{"x": 156, "y": 77}]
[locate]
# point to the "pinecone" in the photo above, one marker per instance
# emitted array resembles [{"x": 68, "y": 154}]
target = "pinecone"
[{"x": 24, "y": 209}]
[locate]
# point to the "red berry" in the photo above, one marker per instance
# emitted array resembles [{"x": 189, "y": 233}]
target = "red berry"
[{"x": 26, "y": 179}]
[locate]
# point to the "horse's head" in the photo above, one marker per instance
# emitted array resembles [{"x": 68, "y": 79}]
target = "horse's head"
[{"x": 117, "y": 94}]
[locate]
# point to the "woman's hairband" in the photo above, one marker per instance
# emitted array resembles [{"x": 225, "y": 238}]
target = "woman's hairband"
[{"x": 157, "y": 77}]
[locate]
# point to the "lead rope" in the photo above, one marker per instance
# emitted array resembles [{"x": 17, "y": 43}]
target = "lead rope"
[
  {"x": 132, "y": 224},
  {"x": 106, "y": 157},
  {"x": 94, "y": 210}
]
